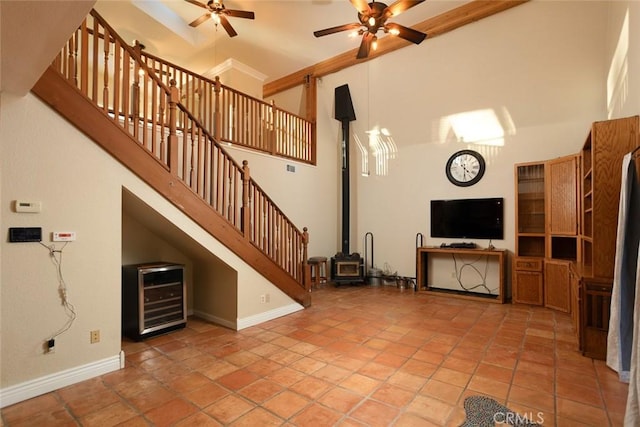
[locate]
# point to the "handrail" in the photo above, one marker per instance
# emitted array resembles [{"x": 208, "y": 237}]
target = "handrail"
[
  {"x": 116, "y": 80},
  {"x": 237, "y": 118}
]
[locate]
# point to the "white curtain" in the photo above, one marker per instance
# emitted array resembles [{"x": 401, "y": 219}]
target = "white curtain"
[{"x": 624, "y": 326}]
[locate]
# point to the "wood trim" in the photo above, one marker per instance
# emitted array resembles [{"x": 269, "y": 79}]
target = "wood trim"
[
  {"x": 97, "y": 125},
  {"x": 435, "y": 26}
]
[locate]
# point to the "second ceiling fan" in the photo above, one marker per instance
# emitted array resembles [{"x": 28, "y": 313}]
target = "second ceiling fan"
[
  {"x": 219, "y": 14},
  {"x": 373, "y": 18}
]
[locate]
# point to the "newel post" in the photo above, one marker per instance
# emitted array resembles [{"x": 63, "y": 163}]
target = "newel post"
[
  {"x": 174, "y": 98},
  {"x": 217, "y": 116},
  {"x": 306, "y": 269},
  {"x": 246, "y": 199}
]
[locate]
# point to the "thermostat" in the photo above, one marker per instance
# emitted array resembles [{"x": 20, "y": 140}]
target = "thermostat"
[{"x": 29, "y": 207}]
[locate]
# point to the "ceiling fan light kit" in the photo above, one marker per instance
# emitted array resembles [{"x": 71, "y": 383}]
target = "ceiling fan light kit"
[
  {"x": 373, "y": 18},
  {"x": 218, "y": 13}
]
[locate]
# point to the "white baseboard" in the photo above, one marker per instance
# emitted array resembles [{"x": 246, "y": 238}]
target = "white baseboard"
[
  {"x": 251, "y": 320},
  {"x": 46, "y": 384},
  {"x": 256, "y": 319}
]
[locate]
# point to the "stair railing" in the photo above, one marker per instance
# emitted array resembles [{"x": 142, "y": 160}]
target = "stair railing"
[
  {"x": 112, "y": 75},
  {"x": 236, "y": 118}
]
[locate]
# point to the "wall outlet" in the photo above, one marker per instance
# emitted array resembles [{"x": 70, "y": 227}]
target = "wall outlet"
[
  {"x": 95, "y": 336},
  {"x": 264, "y": 298}
]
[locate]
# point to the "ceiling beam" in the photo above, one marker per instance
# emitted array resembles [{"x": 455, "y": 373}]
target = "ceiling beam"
[{"x": 435, "y": 26}]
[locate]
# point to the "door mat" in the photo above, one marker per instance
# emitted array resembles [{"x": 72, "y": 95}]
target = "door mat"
[{"x": 482, "y": 411}]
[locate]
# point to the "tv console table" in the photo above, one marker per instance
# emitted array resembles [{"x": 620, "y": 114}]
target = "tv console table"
[{"x": 427, "y": 254}]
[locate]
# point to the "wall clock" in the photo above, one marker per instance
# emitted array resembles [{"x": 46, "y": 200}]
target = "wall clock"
[{"x": 465, "y": 168}]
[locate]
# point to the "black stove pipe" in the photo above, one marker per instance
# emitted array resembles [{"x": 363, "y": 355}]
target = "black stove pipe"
[{"x": 344, "y": 113}]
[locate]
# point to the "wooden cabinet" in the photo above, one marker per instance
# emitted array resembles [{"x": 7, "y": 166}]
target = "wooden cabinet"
[
  {"x": 528, "y": 281},
  {"x": 601, "y": 173},
  {"x": 594, "y": 317},
  {"x": 562, "y": 223},
  {"x": 546, "y": 230},
  {"x": 557, "y": 285},
  {"x": 530, "y": 233}
]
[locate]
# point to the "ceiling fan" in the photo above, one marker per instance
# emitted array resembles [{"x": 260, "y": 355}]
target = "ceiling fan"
[
  {"x": 219, "y": 14},
  {"x": 373, "y": 18}
]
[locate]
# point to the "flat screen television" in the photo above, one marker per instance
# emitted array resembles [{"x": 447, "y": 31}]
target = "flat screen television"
[{"x": 468, "y": 218}]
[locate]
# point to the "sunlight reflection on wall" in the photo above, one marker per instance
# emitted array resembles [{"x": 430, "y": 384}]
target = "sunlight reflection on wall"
[
  {"x": 382, "y": 148},
  {"x": 618, "y": 77}
]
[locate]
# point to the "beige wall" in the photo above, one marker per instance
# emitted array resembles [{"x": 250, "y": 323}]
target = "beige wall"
[{"x": 545, "y": 63}]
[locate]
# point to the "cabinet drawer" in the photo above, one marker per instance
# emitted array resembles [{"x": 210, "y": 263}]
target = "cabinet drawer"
[{"x": 528, "y": 264}]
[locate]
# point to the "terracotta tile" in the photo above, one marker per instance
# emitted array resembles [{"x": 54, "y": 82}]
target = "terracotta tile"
[
  {"x": 497, "y": 373},
  {"x": 228, "y": 409},
  {"x": 442, "y": 391},
  {"x": 286, "y": 376},
  {"x": 340, "y": 399},
  {"x": 376, "y": 370},
  {"x": 91, "y": 402},
  {"x": 374, "y": 413},
  {"x": 534, "y": 381},
  {"x": 316, "y": 415},
  {"x": 393, "y": 395},
  {"x": 198, "y": 419},
  {"x": 286, "y": 404},
  {"x": 389, "y": 359},
  {"x": 258, "y": 417},
  {"x": 190, "y": 381},
  {"x": 489, "y": 387},
  {"x": 417, "y": 367},
  {"x": 580, "y": 412},
  {"x": 462, "y": 365},
  {"x": 170, "y": 412},
  {"x": 431, "y": 409},
  {"x": 407, "y": 381},
  {"x": 307, "y": 365},
  {"x": 587, "y": 395},
  {"x": 110, "y": 415},
  {"x": 531, "y": 397},
  {"x": 452, "y": 377},
  {"x": 237, "y": 379},
  {"x": 310, "y": 387},
  {"x": 360, "y": 384},
  {"x": 261, "y": 390},
  {"x": 206, "y": 395},
  {"x": 152, "y": 397},
  {"x": 332, "y": 373}
]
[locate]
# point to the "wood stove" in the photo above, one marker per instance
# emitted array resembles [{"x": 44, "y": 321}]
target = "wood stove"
[{"x": 345, "y": 267}]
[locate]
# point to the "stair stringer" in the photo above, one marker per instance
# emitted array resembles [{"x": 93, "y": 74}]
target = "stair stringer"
[{"x": 52, "y": 89}]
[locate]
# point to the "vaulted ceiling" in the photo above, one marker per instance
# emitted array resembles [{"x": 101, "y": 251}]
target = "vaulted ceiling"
[{"x": 279, "y": 42}]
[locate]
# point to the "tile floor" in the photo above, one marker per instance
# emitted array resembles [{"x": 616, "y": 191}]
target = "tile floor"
[{"x": 360, "y": 356}]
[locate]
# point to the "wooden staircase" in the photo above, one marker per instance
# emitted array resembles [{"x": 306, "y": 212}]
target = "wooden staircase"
[{"x": 104, "y": 88}]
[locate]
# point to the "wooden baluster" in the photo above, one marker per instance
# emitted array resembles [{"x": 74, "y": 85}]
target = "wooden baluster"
[
  {"x": 246, "y": 209},
  {"x": 172, "y": 140},
  {"x": 217, "y": 117},
  {"x": 71, "y": 60},
  {"x": 272, "y": 125},
  {"x": 84, "y": 59},
  {"x": 105, "y": 87},
  {"x": 116, "y": 80},
  {"x": 94, "y": 62}
]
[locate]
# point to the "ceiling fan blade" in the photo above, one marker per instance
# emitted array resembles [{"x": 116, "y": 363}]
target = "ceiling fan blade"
[
  {"x": 400, "y": 6},
  {"x": 337, "y": 29},
  {"x": 240, "y": 13},
  {"x": 197, "y": 3},
  {"x": 407, "y": 33},
  {"x": 365, "y": 46},
  {"x": 200, "y": 20},
  {"x": 227, "y": 26},
  {"x": 362, "y": 6}
]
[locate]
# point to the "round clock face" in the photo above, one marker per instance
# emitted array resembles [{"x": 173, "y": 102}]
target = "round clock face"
[{"x": 465, "y": 168}]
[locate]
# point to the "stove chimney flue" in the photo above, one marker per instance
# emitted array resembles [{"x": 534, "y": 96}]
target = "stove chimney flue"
[{"x": 344, "y": 113}]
